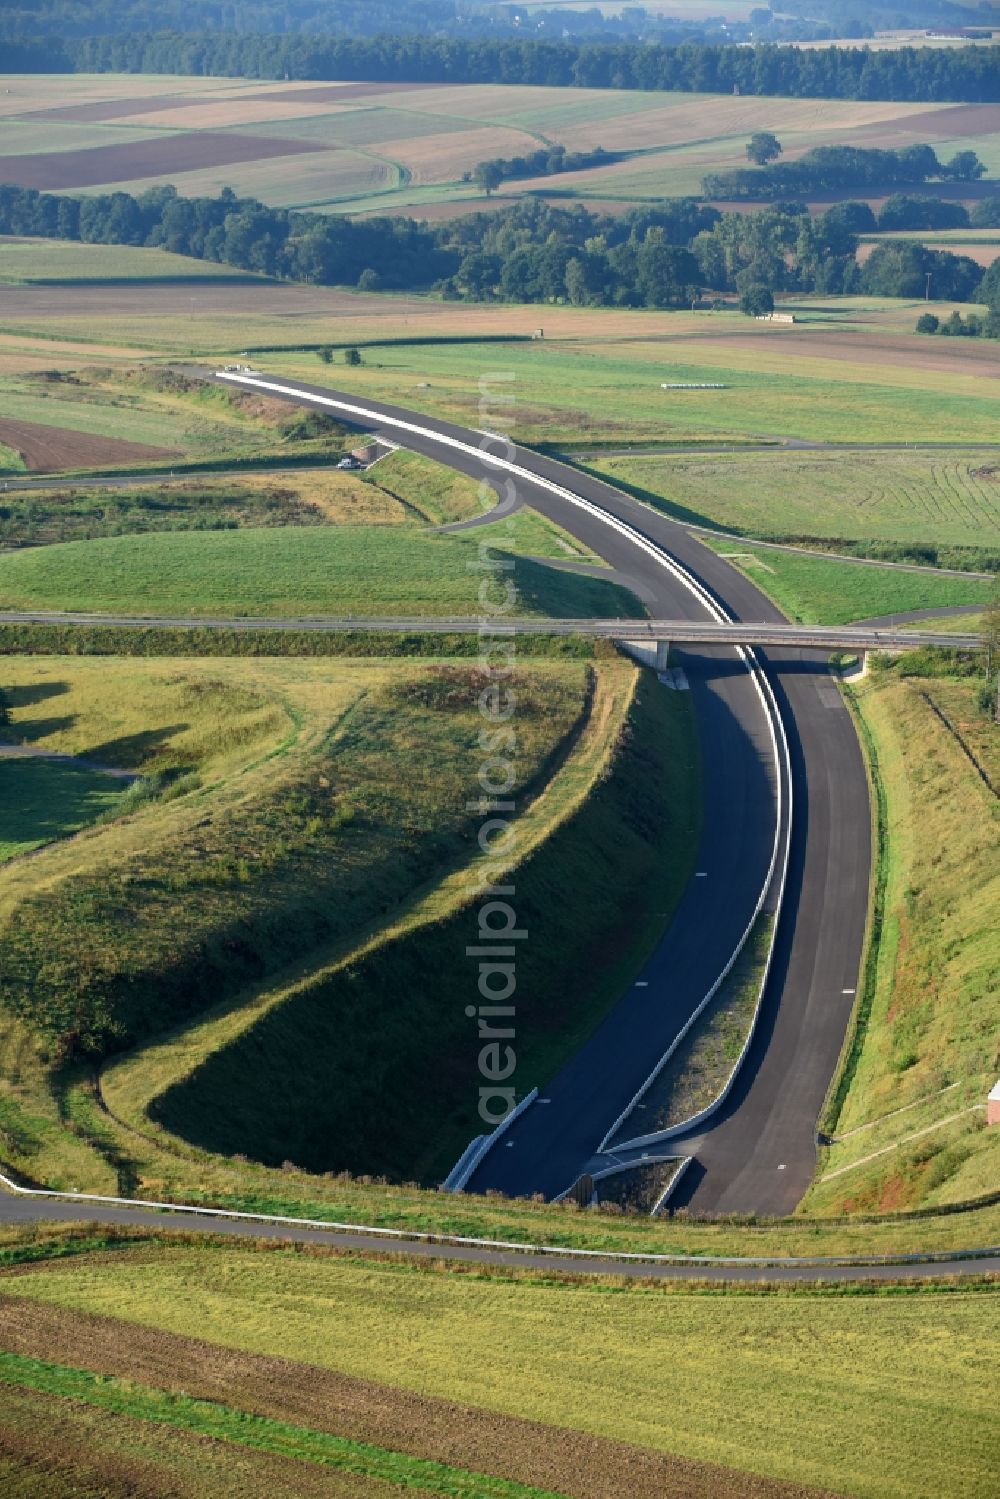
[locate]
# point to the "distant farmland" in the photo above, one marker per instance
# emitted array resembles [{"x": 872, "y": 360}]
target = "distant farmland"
[{"x": 366, "y": 147}]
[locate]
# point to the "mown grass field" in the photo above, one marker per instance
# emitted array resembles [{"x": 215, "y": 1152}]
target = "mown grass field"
[
  {"x": 820, "y": 591},
  {"x": 873, "y": 1394},
  {"x": 304, "y": 497},
  {"x": 910, "y": 1126},
  {"x": 289, "y": 571},
  {"x": 950, "y": 497},
  {"x": 47, "y": 261}
]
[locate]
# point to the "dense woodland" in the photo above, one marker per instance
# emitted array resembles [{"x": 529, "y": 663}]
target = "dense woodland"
[
  {"x": 814, "y": 19},
  {"x": 921, "y": 74},
  {"x": 666, "y": 255}
]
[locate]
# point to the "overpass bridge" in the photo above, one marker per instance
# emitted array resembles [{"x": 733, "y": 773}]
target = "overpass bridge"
[{"x": 659, "y": 632}]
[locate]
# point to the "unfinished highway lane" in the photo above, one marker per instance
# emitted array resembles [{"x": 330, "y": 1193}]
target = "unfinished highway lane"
[{"x": 763, "y": 1154}]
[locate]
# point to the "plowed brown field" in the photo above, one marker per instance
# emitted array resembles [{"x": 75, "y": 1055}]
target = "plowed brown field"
[{"x": 50, "y": 449}]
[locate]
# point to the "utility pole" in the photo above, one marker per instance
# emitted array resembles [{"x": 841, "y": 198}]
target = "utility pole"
[{"x": 927, "y": 290}]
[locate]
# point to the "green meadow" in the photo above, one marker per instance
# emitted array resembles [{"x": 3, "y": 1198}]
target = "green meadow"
[
  {"x": 288, "y": 571},
  {"x": 822, "y": 591}
]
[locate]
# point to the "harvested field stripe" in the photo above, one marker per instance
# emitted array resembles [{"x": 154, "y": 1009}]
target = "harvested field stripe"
[
  {"x": 258, "y": 1432},
  {"x": 188, "y": 151}
]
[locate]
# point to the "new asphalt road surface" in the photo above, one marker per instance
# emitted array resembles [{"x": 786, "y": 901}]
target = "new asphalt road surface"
[{"x": 759, "y": 1155}]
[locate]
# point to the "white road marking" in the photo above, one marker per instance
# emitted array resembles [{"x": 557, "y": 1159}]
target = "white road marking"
[
  {"x": 642, "y": 983},
  {"x": 848, "y": 991}
]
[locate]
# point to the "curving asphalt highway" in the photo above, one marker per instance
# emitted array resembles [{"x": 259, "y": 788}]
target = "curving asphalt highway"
[{"x": 761, "y": 1155}]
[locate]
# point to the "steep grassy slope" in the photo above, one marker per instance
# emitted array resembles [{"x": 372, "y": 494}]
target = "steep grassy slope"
[
  {"x": 910, "y": 1113},
  {"x": 373, "y": 1066}
]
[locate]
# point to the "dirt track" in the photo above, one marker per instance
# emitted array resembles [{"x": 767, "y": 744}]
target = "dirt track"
[{"x": 50, "y": 449}]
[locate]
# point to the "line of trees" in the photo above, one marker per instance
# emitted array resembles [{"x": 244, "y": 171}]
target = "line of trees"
[
  {"x": 972, "y": 325},
  {"x": 831, "y": 169},
  {"x": 665, "y": 255},
  {"x": 548, "y": 161},
  {"x": 919, "y": 74},
  {"x": 957, "y": 326}
]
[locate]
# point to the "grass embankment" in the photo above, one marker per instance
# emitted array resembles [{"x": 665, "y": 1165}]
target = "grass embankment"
[
  {"x": 174, "y": 416},
  {"x": 909, "y": 1116},
  {"x": 313, "y": 800},
  {"x": 925, "y": 502},
  {"x": 286, "y": 1087},
  {"x": 289, "y": 571},
  {"x": 431, "y": 491},
  {"x": 870, "y": 1393},
  {"x": 818, "y": 591}
]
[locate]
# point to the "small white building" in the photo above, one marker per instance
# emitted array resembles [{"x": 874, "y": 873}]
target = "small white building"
[{"x": 993, "y": 1106}]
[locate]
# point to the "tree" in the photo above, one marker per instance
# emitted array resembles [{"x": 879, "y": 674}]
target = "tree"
[
  {"x": 352, "y": 357},
  {"x": 488, "y": 175},
  {"x": 326, "y": 355},
  {"x": 989, "y": 287},
  {"x": 757, "y": 301},
  {"x": 985, "y": 214},
  {"x": 763, "y": 147},
  {"x": 917, "y": 211},
  {"x": 964, "y": 166},
  {"x": 577, "y": 288},
  {"x": 928, "y": 323}
]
